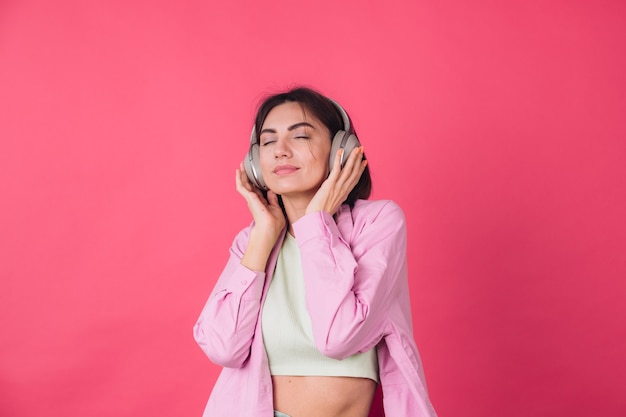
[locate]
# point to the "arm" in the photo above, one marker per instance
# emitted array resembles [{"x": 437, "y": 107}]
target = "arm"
[
  {"x": 226, "y": 324},
  {"x": 350, "y": 287}
]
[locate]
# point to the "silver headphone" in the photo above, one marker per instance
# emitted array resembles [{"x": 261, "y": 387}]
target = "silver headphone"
[{"x": 344, "y": 139}]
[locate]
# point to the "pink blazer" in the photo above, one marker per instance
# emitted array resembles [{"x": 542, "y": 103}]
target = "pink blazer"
[{"x": 357, "y": 295}]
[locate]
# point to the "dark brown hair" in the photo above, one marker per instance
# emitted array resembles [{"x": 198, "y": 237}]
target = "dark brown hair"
[{"x": 326, "y": 112}]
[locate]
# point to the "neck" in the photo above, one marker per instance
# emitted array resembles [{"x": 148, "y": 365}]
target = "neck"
[{"x": 295, "y": 208}]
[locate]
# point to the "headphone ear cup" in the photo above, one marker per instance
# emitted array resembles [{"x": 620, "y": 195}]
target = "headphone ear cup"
[
  {"x": 252, "y": 165},
  {"x": 345, "y": 141}
]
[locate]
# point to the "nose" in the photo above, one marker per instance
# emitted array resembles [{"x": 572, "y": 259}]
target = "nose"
[{"x": 281, "y": 148}]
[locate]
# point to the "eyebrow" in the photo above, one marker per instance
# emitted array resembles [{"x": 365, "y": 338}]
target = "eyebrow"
[{"x": 290, "y": 128}]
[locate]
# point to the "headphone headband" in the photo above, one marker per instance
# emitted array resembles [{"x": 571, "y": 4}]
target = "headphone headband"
[{"x": 344, "y": 116}]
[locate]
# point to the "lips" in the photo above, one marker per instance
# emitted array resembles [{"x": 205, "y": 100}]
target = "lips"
[{"x": 285, "y": 169}]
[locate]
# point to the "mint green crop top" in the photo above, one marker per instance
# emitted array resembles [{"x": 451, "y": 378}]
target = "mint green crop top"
[{"x": 287, "y": 330}]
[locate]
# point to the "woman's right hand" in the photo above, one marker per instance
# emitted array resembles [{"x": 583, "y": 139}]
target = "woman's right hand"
[{"x": 269, "y": 221}]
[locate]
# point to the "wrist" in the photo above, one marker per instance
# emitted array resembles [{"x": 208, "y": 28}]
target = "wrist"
[
  {"x": 265, "y": 233},
  {"x": 258, "y": 250}
]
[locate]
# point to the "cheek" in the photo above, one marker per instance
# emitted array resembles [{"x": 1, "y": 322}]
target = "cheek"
[
  {"x": 319, "y": 166},
  {"x": 323, "y": 156},
  {"x": 265, "y": 160}
]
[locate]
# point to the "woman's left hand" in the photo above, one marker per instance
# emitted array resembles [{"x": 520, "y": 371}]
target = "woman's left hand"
[{"x": 336, "y": 188}]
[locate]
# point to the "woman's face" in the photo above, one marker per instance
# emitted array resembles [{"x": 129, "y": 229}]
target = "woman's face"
[{"x": 294, "y": 149}]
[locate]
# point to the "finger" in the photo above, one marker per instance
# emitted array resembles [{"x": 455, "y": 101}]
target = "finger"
[
  {"x": 243, "y": 185},
  {"x": 244, "y": 177},
  {"x": 355, "y": 156},
  {"x": 353, "y": 174},
  {"x": 238, "y": 183},
  {"x": 272, "y": 199},
  {"x": 259, "y": 193},
  {"x": 244, "y": 180},
  {"x": 358, "y": 166},
  {"x": 352, "y": 165},
  {"x": 336, "y": 171},
  {"x": 358, "y": 172}
]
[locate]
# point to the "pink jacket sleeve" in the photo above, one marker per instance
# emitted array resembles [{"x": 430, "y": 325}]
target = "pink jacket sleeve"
[
  {"x": 227, "y": 322},
  {"x": 352, "y": 281}
]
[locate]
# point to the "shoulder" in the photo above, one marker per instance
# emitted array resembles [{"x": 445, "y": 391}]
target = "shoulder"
[
  {"x": 372, "y": 217},
  {"x": 371, "y": 210},
  {"x": 373, "y": 224}
]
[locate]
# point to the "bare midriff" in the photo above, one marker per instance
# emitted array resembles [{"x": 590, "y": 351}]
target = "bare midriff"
[{"x": 323, "y": 396}]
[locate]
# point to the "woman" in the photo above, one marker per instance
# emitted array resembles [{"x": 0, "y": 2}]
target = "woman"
[{"x": 312, "y": 310}]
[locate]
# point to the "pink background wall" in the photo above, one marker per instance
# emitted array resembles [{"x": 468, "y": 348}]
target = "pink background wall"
[{"x": 499, "y": 127}]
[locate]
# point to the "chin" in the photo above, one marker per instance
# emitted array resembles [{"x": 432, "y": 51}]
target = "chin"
[{"x": 293, "y": 191}]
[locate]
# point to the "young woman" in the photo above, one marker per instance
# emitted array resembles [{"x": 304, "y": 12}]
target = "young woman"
[{"x": 312, "y": 309}]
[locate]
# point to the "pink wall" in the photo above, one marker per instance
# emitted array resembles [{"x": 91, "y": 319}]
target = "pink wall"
[{"x": 498, "y": 126}]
